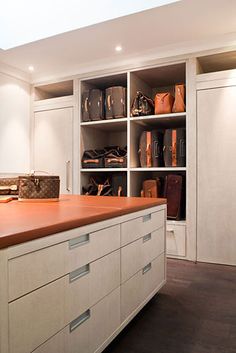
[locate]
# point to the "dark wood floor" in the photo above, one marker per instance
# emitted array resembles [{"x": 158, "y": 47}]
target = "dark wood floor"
[{"x": 194, "y": 313}]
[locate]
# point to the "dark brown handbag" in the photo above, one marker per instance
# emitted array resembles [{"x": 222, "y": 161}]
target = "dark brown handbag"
[
  {"x": 151, "y": 149},
  {"x": 175, "y": 147},
  {"x": 142, "y": 105},
  {"x": 9, "y": 186},
  {"x": 39, "y": 188},
  {"x": 163, "y": 103},
  {"x": 179, "y": 103},
  {"x": 115, "y": 102},
  {"x": 116, "y": 158},
  {"x": 174, "y": 194}
]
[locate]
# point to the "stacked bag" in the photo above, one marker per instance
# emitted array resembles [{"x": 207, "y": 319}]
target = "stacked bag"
[
  {"x": 109, "y": 104},
  {"x": 108, "y": 157},
  {"x": 164, "y": 103}
]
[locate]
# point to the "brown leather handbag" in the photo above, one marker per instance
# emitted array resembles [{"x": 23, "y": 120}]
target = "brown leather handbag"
[
  {"x": 179, "y": 103},
  {"x": 163, "y": 103},
  {"x": 151, "y": 188},
  {"x": 39, "y": 188}
]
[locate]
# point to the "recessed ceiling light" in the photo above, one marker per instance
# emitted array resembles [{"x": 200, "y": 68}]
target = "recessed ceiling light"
[
  {"x": 118, "y": 48},
  {"x": 31, "y": 68}
]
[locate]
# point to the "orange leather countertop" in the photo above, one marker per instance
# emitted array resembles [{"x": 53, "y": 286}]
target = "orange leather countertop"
[{"x": 24, "y": 221}]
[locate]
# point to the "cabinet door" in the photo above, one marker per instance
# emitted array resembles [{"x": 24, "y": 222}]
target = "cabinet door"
[
  {"x": 216, "y": 241},
  {"x": 53, "y": 144}
]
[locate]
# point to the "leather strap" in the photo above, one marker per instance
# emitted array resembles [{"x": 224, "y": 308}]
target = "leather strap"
[
  {"x": 148, "y": 149},
  {"x": 174, "y": 152}
]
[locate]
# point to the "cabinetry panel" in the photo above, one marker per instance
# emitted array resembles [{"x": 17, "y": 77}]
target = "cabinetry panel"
[
  {"x": 176, "y": 239},
  {"x": 216, "y": 209},
  {"x": 53, "y": 144}
]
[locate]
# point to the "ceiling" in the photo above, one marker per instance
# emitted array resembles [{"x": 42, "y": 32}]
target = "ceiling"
[{"x": 174, "y": 26}]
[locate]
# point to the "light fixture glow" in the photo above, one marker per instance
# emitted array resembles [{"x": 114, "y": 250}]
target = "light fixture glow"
[
  {"x": 28, "y": 14},
  {"x": 118, "y": 48},
  {"x": 31, "y": 68}
]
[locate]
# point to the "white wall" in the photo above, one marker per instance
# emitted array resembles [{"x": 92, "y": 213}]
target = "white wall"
[{"x": 14, "y": 125}]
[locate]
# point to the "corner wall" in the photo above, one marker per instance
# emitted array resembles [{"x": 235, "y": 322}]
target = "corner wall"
[{"x": 14, "y": 124}]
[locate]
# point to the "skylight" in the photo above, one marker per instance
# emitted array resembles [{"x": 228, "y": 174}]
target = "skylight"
[{"x": 26, "y": 21}]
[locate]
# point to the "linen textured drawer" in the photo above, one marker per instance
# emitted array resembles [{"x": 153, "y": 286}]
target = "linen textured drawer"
[
  {"x": 88, "y": 331},
  {"x": 88, "y": 284},
  {"x": 141, "y": 285},
  {"x": 176, "y": 239},
  {"x": 137, "y": 254},
  {"x": 138, "y": 227},
  {"x": 31, "y": 271},
  {"x": 68, "y": 297}
]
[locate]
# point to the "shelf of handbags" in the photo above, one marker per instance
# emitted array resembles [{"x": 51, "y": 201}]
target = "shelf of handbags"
[
  {"x": 105, "y": 184},
  {"x": 170, "y": 185}
]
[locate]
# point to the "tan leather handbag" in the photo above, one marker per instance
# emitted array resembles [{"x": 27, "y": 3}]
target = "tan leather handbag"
[
  {"x": 179, "y": 105},
  {"x": 163, "y": 103}
]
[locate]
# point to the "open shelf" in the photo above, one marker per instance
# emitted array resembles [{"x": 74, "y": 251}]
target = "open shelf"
[
  {"x": 162, "y": 120},
  {"x": 162, "y": 169},
  {"x": 217, "y": 62},
  {"x": 107, "y": 125},
  {"x": 102, "y": 170},
  {"x": 53, "y": 90}
]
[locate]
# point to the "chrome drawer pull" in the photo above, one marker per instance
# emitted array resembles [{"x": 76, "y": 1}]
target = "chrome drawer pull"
[
  {"x": 147, "y": 237},
  {"x": 170, "y": 230},
  {"x": 147, "y": 268},
  {"x": 80, "y": 319},
  {"x": 78, "y": 273},
  {"x": 81, "y": 240},
  {"x": 147, "y": 217}
]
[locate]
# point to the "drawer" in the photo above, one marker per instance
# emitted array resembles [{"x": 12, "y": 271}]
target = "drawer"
[
  {"x": 137, "y": 254},
  {"x": 33, "y": 270},
  {"x": 47, "y": 310},
  {"x": 88, "y": 284},
  {"x": 176, "y": 239},
  {"x": 138, "y": 227},
  {"x": 153, "y": 274},
  {"x": 141, "y": 285},
  {"x": 36, "y": 317},
  {"x": 89, "y": 330}
]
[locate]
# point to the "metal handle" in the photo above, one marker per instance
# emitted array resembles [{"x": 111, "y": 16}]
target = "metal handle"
[
  {"x": 79, "y": 241},
  {"x": 147, "y": 237},
  {"x": 147, "y": 217},
  {"x": 68, "y": 175},
  {"x": 147, "y": 268},
  {"x": 170, "y": 230},
  {"x": 79, "y": 272},
  {"x": 79, "y": 320}
]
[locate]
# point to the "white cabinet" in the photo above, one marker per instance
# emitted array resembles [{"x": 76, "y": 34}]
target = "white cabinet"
[
  {"x": 67, "y": 296},
  {"x": 53, "y": 136},
  {"x": 216, "y": 208}
]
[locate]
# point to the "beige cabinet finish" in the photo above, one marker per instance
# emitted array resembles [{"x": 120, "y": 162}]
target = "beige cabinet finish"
[
  {"x": 176, "y": 239},
  {"x": 68, "y": 296},
  {"x": 53, "y": 135},
  {"x": 216, "y": 208}
]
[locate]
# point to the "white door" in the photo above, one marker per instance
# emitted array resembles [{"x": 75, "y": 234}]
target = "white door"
[
  {"x": 53, "y": 145},
  {"x": 216, "y": 211}
]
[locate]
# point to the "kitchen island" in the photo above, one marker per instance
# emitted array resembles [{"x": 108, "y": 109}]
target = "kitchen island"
[{"x": 75, "y": 272}]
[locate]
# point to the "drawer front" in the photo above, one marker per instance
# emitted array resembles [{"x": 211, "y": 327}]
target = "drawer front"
[
  {"x": 36, "y": 317},
  {"x": 90, "y": 283},
  {"x": 176, "y": 240},
  {"x": 105, "y": 319},
  {"x": 141, "y": 285},
  {"x": 92, "y": 246},
  {"x": 138, "y": 227},
  {"x": 33, "y": 270},
  {"x": 130, "y": 295},
  {"x": 137, "y": 254},
  {"x": 87, "y": 332},
  {"x": 153, "y": 274},
  {"x": 56, "y": 344}
]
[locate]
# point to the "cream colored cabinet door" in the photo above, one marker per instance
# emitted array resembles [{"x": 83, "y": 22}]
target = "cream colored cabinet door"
[
  {"x": 216, "y": 209},
  {"x": 53, "y": 144}
]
